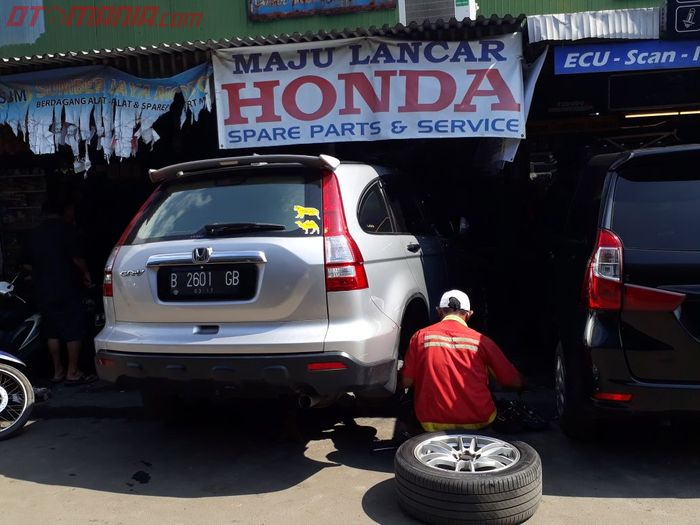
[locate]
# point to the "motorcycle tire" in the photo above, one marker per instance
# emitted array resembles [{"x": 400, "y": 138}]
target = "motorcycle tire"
[{"x": 16, "y": 401}]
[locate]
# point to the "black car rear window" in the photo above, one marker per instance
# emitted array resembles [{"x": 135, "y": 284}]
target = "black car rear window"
[
  {"x": 653, "y": 214},
  {"x": 287, "y": 198}
]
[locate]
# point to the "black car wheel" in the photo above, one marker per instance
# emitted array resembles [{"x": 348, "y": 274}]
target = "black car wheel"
[
  {"x": 576, "y": 417},
  {"x": 460, "y": 478}
]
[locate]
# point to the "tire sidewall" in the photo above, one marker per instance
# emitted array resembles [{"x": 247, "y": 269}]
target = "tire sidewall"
[
  {"x": 29, "y": 393},
  {"x": 577, "y": 417},
  {"x": 563, "y": 406}
]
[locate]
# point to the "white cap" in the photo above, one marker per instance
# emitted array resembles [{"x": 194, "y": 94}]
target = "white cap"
[{"x": 461, "y": 297}]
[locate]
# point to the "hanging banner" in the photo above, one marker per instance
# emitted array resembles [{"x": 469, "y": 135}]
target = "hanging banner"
[
  {"x": 369, "y": 89},
  {"x": 72, "y": 106}
]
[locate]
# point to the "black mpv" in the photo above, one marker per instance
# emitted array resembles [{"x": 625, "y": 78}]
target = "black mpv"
[{"x": 628, "y": 289}]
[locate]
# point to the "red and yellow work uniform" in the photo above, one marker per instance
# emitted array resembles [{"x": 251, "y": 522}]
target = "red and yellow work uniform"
[{"x": 450, "y": 364}]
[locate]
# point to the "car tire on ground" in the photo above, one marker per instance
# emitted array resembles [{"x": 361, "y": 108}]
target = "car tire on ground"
[
  {"x": 503, "y": 495},
  {"x": 576, "y": 417}
]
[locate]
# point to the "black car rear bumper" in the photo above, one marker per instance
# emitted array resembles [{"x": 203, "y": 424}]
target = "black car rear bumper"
[
  {"x": 611, "y": 374},
  {"x": 649, "y": 397},
  {"x": 244, "y": 374}
]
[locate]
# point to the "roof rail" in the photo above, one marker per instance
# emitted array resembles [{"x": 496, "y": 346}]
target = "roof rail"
[{"x": 176, "y": 171}]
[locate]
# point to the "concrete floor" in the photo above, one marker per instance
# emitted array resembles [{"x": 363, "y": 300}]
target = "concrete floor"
[{"x": 232, "y": 466}]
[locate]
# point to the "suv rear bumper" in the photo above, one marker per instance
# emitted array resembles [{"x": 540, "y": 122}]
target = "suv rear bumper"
[{"x": 272, "y": 373}]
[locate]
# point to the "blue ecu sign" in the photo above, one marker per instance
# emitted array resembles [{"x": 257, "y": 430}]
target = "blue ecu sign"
[
  {"x": 627, "y": 56},
  {"x": 266, "y": 9}
]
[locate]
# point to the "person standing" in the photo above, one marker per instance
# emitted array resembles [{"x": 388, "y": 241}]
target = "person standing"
[
  {"x": 448, "y": 364},
  {"x": 59, "y": 270}
]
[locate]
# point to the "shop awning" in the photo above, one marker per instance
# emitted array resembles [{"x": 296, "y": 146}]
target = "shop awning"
[
  {"x": 165, "y": 60},
  {"x": 637, "y": 24}
]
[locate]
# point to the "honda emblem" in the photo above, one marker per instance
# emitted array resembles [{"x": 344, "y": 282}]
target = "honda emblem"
[{"x": 201, "y": 255}]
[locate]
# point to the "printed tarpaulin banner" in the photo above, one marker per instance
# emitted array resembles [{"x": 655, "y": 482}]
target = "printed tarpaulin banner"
[
  {"x": 72, "y": 106},
  {"x": 369, "y": 89}
]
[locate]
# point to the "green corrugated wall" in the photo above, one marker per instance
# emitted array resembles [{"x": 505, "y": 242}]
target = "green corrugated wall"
[
  {"x": 222, "y": 18},
  {"x": 540, "y": 7}
]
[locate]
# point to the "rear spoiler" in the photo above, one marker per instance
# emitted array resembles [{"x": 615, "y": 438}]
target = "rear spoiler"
[{"x": 184, "y": 169}]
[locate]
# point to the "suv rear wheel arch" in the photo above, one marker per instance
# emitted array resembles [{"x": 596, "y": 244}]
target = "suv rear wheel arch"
[{"x": 415, "y": 317}]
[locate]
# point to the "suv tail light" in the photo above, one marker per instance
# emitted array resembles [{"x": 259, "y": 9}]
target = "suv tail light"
[
  {"x": 107, "y": 283},
  {"x": 602, "y": 287},
  {"x": 345, "y": 268}
]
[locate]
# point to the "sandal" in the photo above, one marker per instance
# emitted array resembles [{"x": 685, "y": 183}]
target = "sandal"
[
  {"x": 58, "y": 380},
  {"x": 82, "y": 379}
]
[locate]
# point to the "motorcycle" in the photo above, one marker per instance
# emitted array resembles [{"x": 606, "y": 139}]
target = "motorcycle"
[
  {"x": 19, "y": 327},
  {"x": 16, "y": 396},
  {"x": 19, "y": 338}
]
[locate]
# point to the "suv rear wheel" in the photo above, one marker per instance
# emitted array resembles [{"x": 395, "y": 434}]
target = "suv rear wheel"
[{"x": 576, "y": 416}]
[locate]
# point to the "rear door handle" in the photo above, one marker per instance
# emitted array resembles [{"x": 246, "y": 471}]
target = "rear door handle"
[{"x": 413, "y": 247}]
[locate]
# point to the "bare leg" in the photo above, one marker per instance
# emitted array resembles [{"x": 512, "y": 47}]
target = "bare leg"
[
  {"x": 73, "y": 353},
  {"x": 55, "y": 351}
]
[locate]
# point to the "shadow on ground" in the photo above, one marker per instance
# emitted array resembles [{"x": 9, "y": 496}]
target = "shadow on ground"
[
  {"x": 380, "y": 504},
  {"x": 630, "y": 459},
  {"x": 254, "y": 449},
  {"x": 221, "y": 451}
]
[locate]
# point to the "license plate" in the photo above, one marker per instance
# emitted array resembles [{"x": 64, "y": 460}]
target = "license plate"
[{"x": 220, "y": 282}]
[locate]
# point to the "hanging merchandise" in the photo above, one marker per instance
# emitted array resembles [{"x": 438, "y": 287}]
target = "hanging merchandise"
[{"x": 72, "y": 106}]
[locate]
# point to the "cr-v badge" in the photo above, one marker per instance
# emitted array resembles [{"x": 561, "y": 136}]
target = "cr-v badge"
[{"x": 132, "y": 273}]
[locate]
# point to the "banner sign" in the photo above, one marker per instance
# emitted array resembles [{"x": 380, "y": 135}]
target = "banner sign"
[
  {"x": 265, "y": 9},
  {"x": 627, "y": 56},
  {"x": 72, "y": 106},
  {"x": 369, "y": 89}
]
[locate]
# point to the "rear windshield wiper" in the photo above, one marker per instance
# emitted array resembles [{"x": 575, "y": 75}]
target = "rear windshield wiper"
[{"x": 215, "y": 230}]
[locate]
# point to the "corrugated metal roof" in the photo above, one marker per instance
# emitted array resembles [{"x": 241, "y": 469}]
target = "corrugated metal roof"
[
  {"x": 168, "y": 59},
  {"x": 640, "y": 23}
]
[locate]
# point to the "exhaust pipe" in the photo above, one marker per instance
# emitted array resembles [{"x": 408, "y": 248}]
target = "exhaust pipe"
[{"x": 307, "y": 401}]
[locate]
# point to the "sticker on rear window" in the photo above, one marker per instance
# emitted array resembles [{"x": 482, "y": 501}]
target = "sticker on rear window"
[
  {"x": 309, "y": 226},
  {"x": 302, "y": 212}
]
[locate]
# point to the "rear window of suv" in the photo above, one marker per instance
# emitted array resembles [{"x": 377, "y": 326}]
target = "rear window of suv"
[
  {"x": 288, "y": 199},
  {"x": 653, "y": 214}
]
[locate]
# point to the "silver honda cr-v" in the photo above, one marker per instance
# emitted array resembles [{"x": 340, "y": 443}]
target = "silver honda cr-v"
[{"x": 272, "y": 273}]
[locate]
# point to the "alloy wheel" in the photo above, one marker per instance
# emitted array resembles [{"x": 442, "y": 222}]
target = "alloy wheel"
[{"x": 467, "y": 453}]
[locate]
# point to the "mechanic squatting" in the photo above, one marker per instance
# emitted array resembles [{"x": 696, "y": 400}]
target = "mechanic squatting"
[{"x": 388, "y": 89}]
